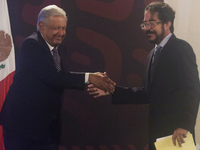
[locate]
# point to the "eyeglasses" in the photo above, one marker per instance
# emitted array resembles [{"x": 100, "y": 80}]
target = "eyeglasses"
[
  {"x": 151, "y": 24},
  {"x": 59, "y": 28}
]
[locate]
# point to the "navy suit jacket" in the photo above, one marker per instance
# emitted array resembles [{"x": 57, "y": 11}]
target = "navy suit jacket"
[
  {"x": 172, "y": 94},
  {"x": 34, "y": 98}
]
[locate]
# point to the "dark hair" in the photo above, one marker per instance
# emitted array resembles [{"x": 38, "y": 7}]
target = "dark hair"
[{"x": 165, "y": 12}]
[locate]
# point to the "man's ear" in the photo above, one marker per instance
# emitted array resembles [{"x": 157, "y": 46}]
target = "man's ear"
[
  {"x": 168, "y": 24},
  {"x": 41, "y": 26}
]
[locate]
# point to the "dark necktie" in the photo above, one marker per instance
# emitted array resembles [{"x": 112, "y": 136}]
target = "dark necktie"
[
  {"x": 156, "y": 54},
  {"x": 56, "y": 58},
  {"x": 154, "y": 60}
]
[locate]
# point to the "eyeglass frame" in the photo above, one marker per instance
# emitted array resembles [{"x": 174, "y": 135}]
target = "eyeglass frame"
[
  {"x": 151, "y": 24},
  {"x": 55, "y": 28}
]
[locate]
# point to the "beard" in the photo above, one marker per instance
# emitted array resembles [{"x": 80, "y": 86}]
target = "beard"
[{"x": 158, "y": 37}]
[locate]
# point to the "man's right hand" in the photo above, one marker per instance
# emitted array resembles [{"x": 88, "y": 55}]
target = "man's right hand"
[
  {"x": 101, "y": 81},
  {"x": 179, "y": 135}
]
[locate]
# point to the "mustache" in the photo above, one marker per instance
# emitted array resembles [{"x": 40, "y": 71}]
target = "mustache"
[{"x": 150, "y": 32}]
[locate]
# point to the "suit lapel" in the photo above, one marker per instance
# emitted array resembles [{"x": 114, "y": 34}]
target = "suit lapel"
[
  {"x": 160, "y": 60},
  {"x": 46, "y": 47},
  {"x": 148, "y": 68}
]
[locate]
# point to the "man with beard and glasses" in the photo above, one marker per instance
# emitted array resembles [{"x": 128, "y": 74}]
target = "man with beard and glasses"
[
  {"x": 31, "y": 112},
  {"x": 171, "y": 83}
]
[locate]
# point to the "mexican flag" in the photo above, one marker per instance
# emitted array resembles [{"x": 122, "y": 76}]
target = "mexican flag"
[{"x": 7, "y": 57}]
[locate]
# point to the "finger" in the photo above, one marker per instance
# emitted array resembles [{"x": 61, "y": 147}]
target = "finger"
[
  {"x": 105, "y": 87},
  {"x": 113, "y": 88},
  {"x": 111, "y": 81},
  {"x": 174, "y": 141},
  {"x": 108, "y": 80},
  {"x": 96, "y": 94},
  {"x": 179, "y": 144},
  {"x": 110, "y": 88},
  {"x": 182, "y": 138},
  {"x": 105, "y": 74},
  {"x": 93, "y": 93},
  {"x": 185, "y": 134},
  {"x": 91, "y": 89},
  {"x": 91, "y": 85},
  {"x": 179, "y": 140}
]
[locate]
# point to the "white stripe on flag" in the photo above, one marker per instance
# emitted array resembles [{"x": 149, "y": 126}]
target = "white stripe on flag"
[{"x": 7, "y": 57}]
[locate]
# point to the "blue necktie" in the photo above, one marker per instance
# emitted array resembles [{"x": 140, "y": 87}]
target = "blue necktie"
[{"x": 56, "y": 58}]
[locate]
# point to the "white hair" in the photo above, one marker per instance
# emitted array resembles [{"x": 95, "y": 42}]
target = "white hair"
[{"x": 46, "y": 12}]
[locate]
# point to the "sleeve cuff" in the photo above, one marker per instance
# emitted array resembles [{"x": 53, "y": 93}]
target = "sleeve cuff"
[{"x": 86, "y": 78}]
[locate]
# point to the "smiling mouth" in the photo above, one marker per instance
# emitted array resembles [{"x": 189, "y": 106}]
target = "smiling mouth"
[{"x": 59, "y": 38}]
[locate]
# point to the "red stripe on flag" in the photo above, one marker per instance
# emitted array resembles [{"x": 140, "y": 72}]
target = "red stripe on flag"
[
  {"x": 4, "y": 87},
  {"x": 1, "y": 139}
]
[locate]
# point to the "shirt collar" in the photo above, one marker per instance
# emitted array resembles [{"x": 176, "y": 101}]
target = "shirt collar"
[
  {"x": 50, "y": 47},
  {"x": 164, "y": 41}
]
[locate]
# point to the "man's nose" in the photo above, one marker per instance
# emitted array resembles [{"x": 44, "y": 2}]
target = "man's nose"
[{"x": 61, "y": 32}]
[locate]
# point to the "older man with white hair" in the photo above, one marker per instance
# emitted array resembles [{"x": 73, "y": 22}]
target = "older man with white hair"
[{"x": 30, "y": 115}]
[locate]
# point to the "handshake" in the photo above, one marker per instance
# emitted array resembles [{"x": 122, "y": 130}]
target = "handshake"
[{"x": 101, "y": 84}]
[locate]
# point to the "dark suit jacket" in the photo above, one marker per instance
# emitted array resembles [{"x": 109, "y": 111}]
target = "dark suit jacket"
[
  {"x": 173, "y": 94},
  {"x": 33, "y": 100}
]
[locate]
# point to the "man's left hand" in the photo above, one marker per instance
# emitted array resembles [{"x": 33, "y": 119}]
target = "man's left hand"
[{"x": 179, "y": 135}]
